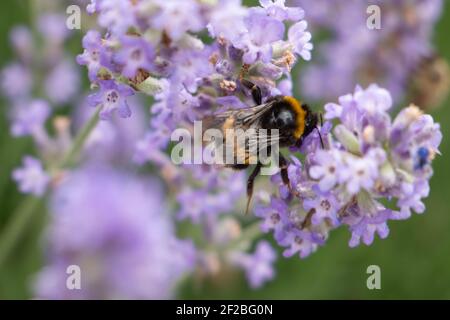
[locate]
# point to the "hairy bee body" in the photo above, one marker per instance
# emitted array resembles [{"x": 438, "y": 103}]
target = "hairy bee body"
[
  {"x": 281, "y": 121},
  {"x": 284, "y": 114},
  {"x": 430, "y": 82}
]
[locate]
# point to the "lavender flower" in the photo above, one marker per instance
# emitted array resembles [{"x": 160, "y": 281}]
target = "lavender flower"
[
  {"x": 227, "y": 23},
  {"x": 62, "y": 83},
  {"x": 114, "y": 140},
  {"x": 16, "y": 81},
  {"x": 370, "y": 157},
  {"x": 28, "y": 118},
  {"x": 35, "y": 60},
  {"x": 135, "y": 54},
  {"x": 92, "y": 53},
  {"x": 326, "y": 170},
  {"x": 300, "y": 40},
  {"x": 22, "y": 42},
  {"x": 111, "y": 96},
  {"x": 116, "y": 15},
  {"x": 177, "y": 17},
  {"x": 356, "y": 54},
  {"x": 325, "y": 208},
  {"x": 31, "y": 178},
  {"x": 257, "y": 44},
  {"x": 259, "y": 265},
  {"x": 53, "y": 26},
  {"x": 218, "y": 193},
  {"x": 124, "y": 242},
  {"x": 278, "y": 10}
]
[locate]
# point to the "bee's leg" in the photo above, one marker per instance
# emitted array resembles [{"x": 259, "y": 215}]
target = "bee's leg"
[
  {"x": 255, "y": 90},
  {"x": 284, "y": 171},
  {"x": 299, "y": 143},
  {"x": 250, "y": 182},
  {"x": 285, "y": 176}
]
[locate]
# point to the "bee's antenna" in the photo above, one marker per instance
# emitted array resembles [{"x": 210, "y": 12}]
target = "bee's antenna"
[
  {"x": 320, "y": 136},
  {"x": 318, "y": 130}
]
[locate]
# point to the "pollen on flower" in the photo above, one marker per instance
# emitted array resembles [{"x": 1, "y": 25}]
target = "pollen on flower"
[
  {"x": 369, "y": 134},
  {"x": 413, "y": 112},
  {"x": 229, "y": 86},
  {"x": 214, "y": 58}
]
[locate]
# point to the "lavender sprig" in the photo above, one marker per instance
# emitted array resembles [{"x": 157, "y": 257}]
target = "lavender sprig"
[
  {"x": 106, "y": 222},
  {"x": 154, "y": 47},
  {"x": 356, "y": 54},
  {"x": 372, "y": 168},
  {"x": 369, "y": 160}
]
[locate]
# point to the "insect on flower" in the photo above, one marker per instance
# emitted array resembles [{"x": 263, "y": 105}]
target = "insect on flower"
[
  {"x": 281, "y": 121},
  {"x": 430, "y": 82}
]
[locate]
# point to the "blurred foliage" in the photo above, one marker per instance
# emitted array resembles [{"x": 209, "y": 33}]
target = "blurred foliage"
[{"x": 414, "y": 259}]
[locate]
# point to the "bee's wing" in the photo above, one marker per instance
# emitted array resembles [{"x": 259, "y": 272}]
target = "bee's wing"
[{"x": 241, "y": 118}]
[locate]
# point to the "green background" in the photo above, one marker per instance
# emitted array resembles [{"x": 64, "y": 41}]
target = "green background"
[{"x": 414, "y": 259}]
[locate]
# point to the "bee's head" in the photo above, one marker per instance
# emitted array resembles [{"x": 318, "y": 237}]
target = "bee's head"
[{"x": 294, "y": 120}]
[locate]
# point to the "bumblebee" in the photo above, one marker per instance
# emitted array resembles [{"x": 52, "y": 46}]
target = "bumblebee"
[
  {"x": 430, "y": 82},
  {"x": 293, "y": 121}
]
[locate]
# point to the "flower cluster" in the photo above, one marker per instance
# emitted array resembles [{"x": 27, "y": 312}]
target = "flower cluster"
[
  {"x": 372, "y": 169},
  {"x": 31, "y": 177},
  {"x": 355, "y": 54},
  {"x": 152, "y": 270},
  {"x": 187, "y": 60},
  {"x": 258, "y": 266},
  {"x": 58, "y": 80},
  {"x": 155, "y": 47},
  {"x": 120, "y": 236},
  {"x": 41, "y": 79},
  {"x": 147, "y": 51}
]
